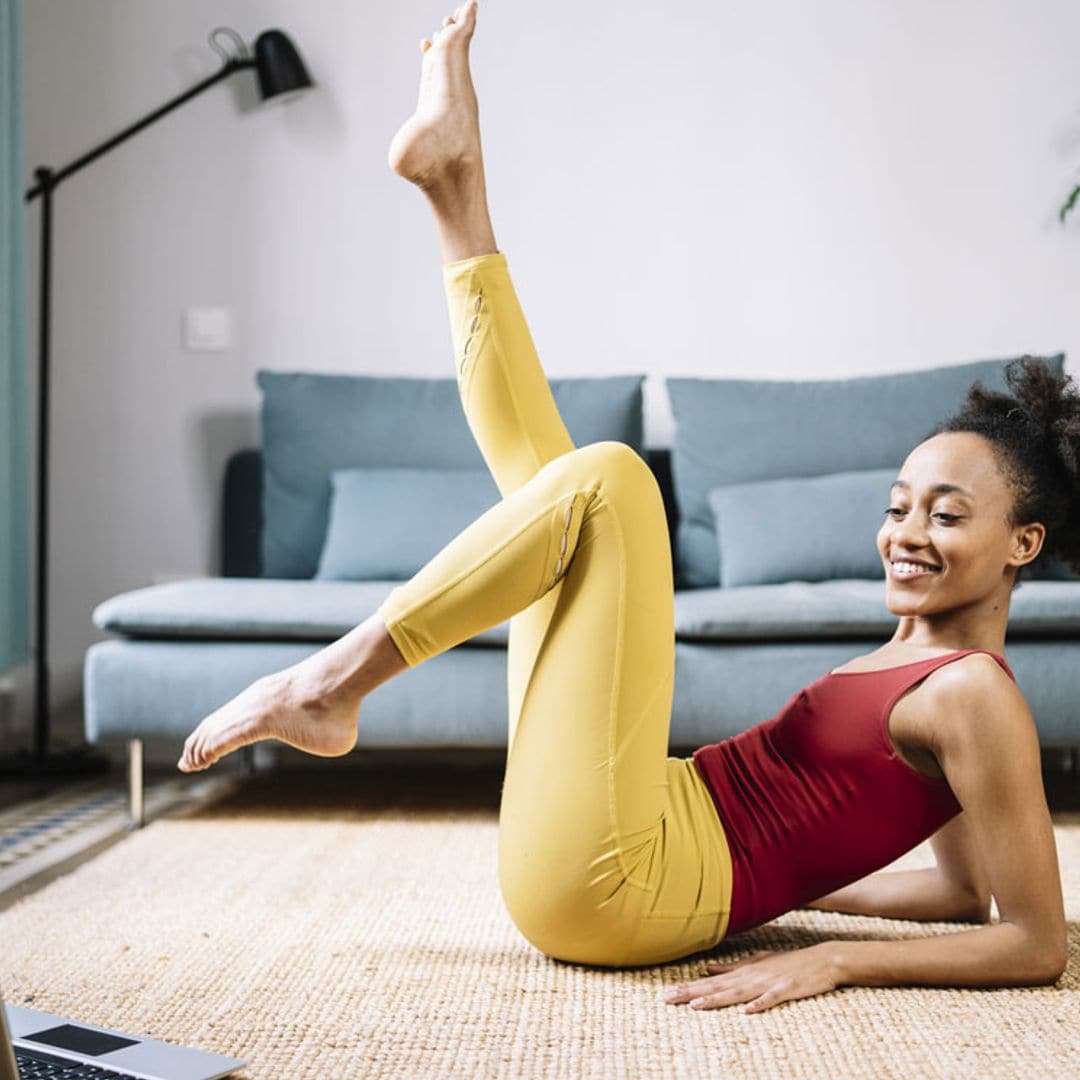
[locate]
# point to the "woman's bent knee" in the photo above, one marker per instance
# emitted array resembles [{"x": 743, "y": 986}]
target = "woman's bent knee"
[
  {"x": 616, "y": 925},
  {"x": 613, "y": 467}
]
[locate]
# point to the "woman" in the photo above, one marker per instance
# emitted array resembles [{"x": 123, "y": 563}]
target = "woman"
[{"x": 612, "y": 853}]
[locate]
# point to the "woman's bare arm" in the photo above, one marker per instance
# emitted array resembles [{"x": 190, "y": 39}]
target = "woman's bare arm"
[
  {"x": 955, "y": 889},
  {"x": 986, "y": 742},
  {"x": 926, "y": 895}
]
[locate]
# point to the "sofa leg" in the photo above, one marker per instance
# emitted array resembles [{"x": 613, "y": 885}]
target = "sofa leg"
[{"x": 135, "y": 784}]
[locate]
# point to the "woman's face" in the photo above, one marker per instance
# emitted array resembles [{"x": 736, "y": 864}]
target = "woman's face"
[{"x": 946, "y": 541}]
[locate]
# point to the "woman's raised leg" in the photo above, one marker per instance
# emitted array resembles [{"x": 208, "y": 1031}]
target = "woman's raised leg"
[
  {"x": 505, "y": 396},
  {"x": 504, "y": 393},
  {"x": 609, "y": 851}
]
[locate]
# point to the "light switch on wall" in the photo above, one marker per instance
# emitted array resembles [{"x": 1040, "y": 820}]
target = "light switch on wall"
[{"x": 208, "y": 329}]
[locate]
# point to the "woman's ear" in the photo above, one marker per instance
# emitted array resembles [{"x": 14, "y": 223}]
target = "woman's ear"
[{"x": 1027, "y": 543}]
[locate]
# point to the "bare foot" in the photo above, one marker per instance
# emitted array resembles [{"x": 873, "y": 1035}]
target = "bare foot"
[
  {"x": 274, "y": 707},
  {"x": 441, "y": 139}
]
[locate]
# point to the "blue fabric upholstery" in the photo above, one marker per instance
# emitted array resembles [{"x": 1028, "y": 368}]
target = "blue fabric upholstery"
[
  {"x": 250, "y": 609},
  {"x": 801, "y": 529},
  {"x": 187, "y": 647},
  {"x": 313, "y": 424},
  {"x": 723, "y": 688},
  {"x": 162, "y": 689},
  {"x": 387, "y": 523},
  {"x": 733, "y": 431}
]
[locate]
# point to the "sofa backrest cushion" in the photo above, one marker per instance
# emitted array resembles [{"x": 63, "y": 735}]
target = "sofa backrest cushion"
[
  {"x": 733, "y": 431},
  {"x": 813, "y": 528},
  {"x": 242, "y": 504},
  {"x": 387, "y": 523},
  {"x": 314, "y": 423}
]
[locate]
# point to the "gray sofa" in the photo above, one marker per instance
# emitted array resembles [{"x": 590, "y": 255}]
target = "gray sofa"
[{"x": 744, "y": 643}]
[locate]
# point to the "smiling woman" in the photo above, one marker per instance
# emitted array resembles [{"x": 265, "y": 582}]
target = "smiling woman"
[
  {"x": 992, "y": 490},
  {"x": 1035, "y": 435},
  {"x": 937, "y": 740},
  {"x": 613, "y": 854}
]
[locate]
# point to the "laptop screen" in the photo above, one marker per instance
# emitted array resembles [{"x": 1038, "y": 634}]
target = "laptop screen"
[{"x": 81, "y": 1040}]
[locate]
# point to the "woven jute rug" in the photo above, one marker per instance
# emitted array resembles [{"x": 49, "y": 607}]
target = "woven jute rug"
[{"x": 328, "y": 925}]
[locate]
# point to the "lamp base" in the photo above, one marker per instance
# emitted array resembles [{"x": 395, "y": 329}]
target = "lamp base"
[{"x": 66, "y": 764}]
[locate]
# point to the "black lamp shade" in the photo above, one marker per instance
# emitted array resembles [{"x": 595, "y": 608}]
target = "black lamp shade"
[{"x": 278, "y": 64}]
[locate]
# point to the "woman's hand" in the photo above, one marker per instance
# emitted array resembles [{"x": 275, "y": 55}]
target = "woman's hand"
[{"x": 764, "y": 979}]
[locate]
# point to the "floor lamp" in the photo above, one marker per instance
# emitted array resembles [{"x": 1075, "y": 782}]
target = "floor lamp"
[{"x": 280, "y": 72}]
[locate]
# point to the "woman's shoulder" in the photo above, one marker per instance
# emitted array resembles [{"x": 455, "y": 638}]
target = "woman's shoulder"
[
  {"x": 890, "y": 658},
  {"x": 954, "y": 698},
  {"x": 973, "y": 693},
  {"x": 973, "y": 673}
]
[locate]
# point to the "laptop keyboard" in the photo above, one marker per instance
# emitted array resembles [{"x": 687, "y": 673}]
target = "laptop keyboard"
[{"x": 34, "y": 1065}]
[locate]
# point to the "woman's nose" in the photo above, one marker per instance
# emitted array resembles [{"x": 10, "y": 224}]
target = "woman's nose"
[{"x": 910, "y": 530}]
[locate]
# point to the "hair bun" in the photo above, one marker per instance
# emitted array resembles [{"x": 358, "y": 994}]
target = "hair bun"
[{"x": 1050, "y": 401}]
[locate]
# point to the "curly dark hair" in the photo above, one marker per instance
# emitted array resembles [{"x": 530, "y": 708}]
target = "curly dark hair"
[{"x": 1035, "y": 431}]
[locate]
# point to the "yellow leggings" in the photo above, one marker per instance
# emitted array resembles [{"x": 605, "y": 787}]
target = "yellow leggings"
[{"x": 610, "y": 852}]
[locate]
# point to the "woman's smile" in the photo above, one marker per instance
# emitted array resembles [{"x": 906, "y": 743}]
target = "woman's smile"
[{"x": 903, "y": 571}]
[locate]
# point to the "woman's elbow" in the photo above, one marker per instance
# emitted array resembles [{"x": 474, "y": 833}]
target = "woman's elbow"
[
  {"x": 1048, "y": 961},
  {"x": 1057, "y": 962}
]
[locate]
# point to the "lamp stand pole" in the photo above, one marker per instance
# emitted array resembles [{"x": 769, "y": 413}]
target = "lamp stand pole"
[{"x": 80, "y": 760}]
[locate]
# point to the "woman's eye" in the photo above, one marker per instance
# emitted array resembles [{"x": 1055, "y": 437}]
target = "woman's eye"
[{"x": 896, "y": 511}]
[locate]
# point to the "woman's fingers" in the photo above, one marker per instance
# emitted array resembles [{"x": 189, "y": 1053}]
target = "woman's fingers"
[
  {"x": 730, "y": 965},
  {"x": 688, "y": 991}
]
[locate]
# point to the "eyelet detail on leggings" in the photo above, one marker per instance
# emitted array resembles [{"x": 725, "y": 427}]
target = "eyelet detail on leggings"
[
  {"x": 562, "y": 544},
  {"x": 473, "y": 325}
]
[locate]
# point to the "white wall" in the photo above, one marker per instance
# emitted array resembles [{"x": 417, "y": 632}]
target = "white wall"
[{"x": 747, "y": 188}]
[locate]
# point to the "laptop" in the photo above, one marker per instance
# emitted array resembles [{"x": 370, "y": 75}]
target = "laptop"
[{"x": 36, "y": 1044}]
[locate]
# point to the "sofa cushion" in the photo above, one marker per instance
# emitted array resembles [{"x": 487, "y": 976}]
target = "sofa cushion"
[
  {"x": 848, "y": 608},
  {"x": 733, "y": 431},
  {"x": 251, "y": 609},
  {"x": 314, "y": 423},
  {"x": 813, "y": 528},
  {"x": 387, "y": 523},
  {"x": 255, "y": 609}
]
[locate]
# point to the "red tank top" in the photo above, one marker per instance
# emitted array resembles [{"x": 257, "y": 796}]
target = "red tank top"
[{"x": 817, "y": 797}]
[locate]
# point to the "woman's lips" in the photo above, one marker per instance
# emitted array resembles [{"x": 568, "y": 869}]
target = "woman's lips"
[{"x": 903, "y": 571}]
